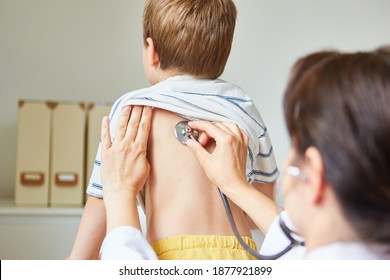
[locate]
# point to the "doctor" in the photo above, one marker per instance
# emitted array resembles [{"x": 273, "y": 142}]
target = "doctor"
[{"x": 336, "y": 186}]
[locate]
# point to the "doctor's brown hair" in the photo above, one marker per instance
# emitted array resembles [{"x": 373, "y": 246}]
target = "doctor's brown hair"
[
  {"x": 341, "y": 106},
  {"x": 191, "y": 36},
  {"x": 299, "y": 69}
]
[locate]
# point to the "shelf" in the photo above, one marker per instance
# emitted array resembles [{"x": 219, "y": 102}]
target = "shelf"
[{"x": 8, "y": 208}]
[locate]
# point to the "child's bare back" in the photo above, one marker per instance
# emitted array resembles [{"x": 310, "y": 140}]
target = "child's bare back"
[{"x": 180, "y": 200}]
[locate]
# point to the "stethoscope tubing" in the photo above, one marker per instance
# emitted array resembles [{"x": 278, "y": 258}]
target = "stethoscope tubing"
[{"x": 285, "y": 229}]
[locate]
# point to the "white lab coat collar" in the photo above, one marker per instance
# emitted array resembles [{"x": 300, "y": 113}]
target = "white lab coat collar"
[{"x": 275, "y": 241}]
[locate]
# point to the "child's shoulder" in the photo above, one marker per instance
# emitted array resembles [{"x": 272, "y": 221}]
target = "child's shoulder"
[{"x": 232, "y": 89}]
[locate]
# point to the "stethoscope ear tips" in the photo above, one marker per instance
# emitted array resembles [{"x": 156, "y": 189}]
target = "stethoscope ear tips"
[{"x": 183, "y": 132}]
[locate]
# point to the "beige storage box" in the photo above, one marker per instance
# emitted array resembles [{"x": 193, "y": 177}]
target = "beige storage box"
[
  {"x": 96, "y": 112},
  {"x": 33, "y": 154},
  {"x": 67, "y": 155}
]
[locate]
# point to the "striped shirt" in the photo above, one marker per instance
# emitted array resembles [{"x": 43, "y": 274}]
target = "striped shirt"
[{"x": 198, "y": 99}]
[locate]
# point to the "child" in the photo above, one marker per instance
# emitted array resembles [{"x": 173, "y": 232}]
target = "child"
[{"x": 186, "y": 46}]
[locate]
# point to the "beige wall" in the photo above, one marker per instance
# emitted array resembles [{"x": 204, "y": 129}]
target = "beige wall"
[{"x": 91, "y": 50}]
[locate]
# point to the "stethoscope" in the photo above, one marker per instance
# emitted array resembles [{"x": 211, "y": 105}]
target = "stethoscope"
[{"x": 183, "y": 132}]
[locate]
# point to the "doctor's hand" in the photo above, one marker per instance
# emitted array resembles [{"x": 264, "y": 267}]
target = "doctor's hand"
[
  {"x": 124, "y": 166},
  {"x": 226, "y": 165}
]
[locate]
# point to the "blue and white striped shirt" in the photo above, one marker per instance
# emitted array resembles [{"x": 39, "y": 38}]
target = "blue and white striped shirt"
[{"x": 198, "y": 99}]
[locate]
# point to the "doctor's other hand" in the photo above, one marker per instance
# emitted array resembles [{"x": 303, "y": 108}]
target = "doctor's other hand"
[
  {"x": 226, "y": 165},
  {"x": 124, "y": 166}
]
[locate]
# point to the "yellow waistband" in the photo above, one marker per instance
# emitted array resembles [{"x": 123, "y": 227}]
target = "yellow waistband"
[{"x": 202, "y": 247}]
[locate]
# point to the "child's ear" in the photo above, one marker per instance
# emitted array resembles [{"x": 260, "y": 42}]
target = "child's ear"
[{"x": 151, "y": 53}]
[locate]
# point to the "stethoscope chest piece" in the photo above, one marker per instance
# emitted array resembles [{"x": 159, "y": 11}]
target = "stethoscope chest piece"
[{"x": 183, "y": 132}]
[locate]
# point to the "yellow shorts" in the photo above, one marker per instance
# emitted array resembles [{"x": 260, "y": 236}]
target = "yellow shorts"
[{"x": 203, "y": 247}]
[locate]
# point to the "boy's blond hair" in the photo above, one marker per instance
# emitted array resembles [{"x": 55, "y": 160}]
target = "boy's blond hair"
[{"x": 193, "y": 37}]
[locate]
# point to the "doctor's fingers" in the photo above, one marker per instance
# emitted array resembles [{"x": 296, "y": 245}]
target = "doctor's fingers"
[
  {"x": 122, "y": 124},
  {"x": 203, "y": 138},
  {"x": 105, "y": 134},
  {"x": 212, "y": 130},
  {"x": 201, "y": 154},
  {"x": 230, "y": 128},
  {"x": 144, "y": 126},
  {"x": 236, "y": 131},
  {"x": 234, "y": 135},
  {"x": 220, "y": 132},
  {"x": 132, "y": 125}
]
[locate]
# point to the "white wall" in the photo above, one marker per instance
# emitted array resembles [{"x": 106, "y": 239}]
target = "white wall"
[
  {"x": 91, "y": 50},
  {"x": 271, "y": 35}
]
